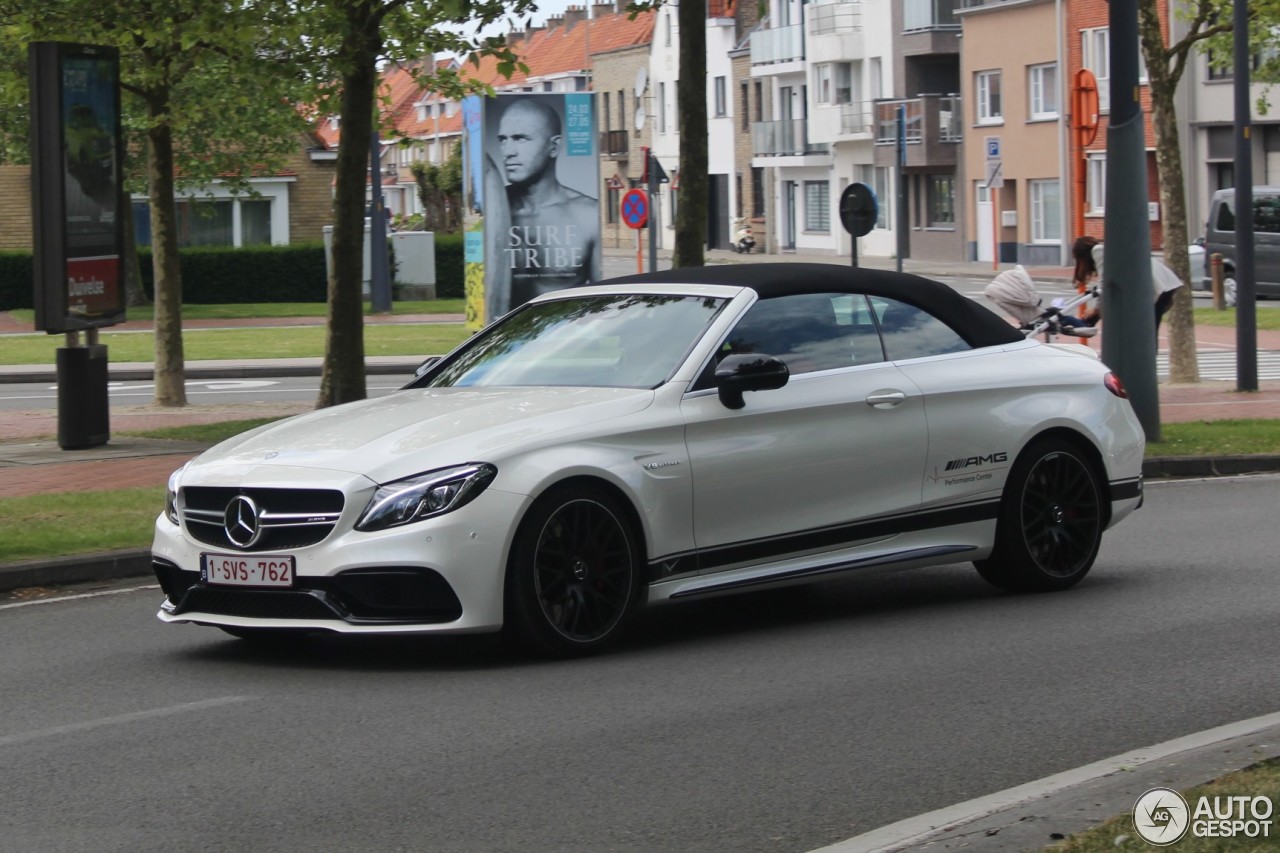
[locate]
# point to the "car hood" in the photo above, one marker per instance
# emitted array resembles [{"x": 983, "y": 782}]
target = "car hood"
[{"x": 415, "y": 430}]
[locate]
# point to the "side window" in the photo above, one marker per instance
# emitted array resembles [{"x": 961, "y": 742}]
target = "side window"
[
  {"x": 910, "y": 332},
  {"x": 810, "y": 331},
  {"x": 1266, "y": 214},
  {"x": 1226, "y": 216}
]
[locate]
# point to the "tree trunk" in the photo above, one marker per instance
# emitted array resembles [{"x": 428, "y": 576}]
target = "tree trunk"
[
  {"x": 1173, "y": 204},
  {"x": 343, "y": 379},
  {"x": 170, "y": 376},
  {"x": 691, "y": 102}
]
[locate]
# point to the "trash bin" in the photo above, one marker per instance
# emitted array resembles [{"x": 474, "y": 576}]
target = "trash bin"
[{"x": 84, "y": 419}]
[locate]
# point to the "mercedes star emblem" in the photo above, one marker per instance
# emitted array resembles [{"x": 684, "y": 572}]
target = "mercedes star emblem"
[{"x": 242, "y": 522}]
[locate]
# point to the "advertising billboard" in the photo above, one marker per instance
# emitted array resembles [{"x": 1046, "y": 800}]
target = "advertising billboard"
[
  {"x": 76, "y": 158},
  {"x": 533, "y": 172}
]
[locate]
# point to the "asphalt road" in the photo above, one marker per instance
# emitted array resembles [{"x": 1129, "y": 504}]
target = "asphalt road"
[{"x": 779, "y": 721}]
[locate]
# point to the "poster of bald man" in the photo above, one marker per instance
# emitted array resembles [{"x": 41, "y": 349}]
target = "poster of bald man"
[{"x": 542, "y": 231}]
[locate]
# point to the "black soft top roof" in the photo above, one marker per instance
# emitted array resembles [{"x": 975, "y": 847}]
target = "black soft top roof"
[{"x": 979, "y": 326}]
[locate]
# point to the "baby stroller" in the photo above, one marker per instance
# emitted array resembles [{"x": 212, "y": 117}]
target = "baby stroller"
[{"x": 1015, "y": 292}]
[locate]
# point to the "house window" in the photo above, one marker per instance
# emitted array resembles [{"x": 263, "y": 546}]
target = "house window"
[
  {"x": 662, "y": 108},
  {"x": 222, "y": 222},
  {"x": 613, "y": 200},
  {"x": 942, "y": 201},
  {"x": 608, "y": 116},
  {"x": 759, "y": 101},
  {"x": 722, "y": 97},
  {"x": 817, "y": 206},
  {"x": 1042, "y": 82},
  {"x": 990, "y": 107},
  {"x": 822, "y": 83},
  {"x": 843, "y": 83},
  {"x": 757, "y": 192},
  {"x": 745, "y": 112},
  {"x": 884, "y": 197},
  {"x": 1095, "y": 46},
  {"x": 1096, "y": 199},
  {"x": 737, "y": 195},
  {"x": 668, "y": 30},
  {"x": 1046, "y": 212},
  {"x": 622, "y": 109}
]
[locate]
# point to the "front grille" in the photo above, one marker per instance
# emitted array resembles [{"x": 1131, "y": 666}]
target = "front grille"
[
  {"x": 257, "y": 604},
  {"x": 359, "y": 596},
  {"x": 290, "y": 518}
]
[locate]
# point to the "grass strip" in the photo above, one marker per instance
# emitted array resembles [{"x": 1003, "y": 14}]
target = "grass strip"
[
  {"x": 207, "y": 433},
  {"x": 1217, "y": 438},
  {"x": 1268, "y": 318},
  {"x": 41, "y": 526},
  {"x": 241, "y": 343},
  {"x": 256, "y": 310},
  {"x": 1118, "y": 833}
]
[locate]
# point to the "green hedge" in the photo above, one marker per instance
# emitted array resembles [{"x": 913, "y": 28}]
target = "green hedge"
[
  {"x": 15, "y": 280},
  {"x": 223, "y": 275}
]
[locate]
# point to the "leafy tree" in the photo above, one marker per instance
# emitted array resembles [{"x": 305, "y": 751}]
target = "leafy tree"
[
  {"x": 208, "y": 94},
  {"x": 348, "y": 39},
  {"x": 440, "y": 191}
]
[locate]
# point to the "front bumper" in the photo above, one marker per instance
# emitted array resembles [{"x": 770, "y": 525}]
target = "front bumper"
[{"x": 441, "y": 575}]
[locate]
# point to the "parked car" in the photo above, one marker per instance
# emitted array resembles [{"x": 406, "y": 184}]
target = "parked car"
[
  {"x": 1220, "y": 238},
  {"x": 661, "y": 438}
]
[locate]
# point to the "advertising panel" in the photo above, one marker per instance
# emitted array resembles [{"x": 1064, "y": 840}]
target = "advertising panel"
[
  {"x": 76, "y": 171},
  {"x": 542, "y": 184}
]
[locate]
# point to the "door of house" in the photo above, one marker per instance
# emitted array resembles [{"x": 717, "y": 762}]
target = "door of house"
[
  {"x": 789, "y": 215},
  {"x": 984, "y": 233}
]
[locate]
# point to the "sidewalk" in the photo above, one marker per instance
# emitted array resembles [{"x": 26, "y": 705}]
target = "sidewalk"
[{"x": 31, "y": 462}]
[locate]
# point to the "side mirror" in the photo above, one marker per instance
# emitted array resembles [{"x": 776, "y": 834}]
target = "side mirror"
[
  {"x": 425, "y": 366},
  {"x": 737, "y": 374}
]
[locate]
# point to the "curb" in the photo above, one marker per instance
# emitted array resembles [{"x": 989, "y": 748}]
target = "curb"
[
  {"x": 109, "y": 565},
  {"x": 1171, "y": 467}
]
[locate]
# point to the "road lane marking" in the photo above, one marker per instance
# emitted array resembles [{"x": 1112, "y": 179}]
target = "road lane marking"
[
  {"x": 98, "y": 594},
  {"x": 122, "y": 719}
]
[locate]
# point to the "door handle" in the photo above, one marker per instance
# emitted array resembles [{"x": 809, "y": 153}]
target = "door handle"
[{"x": 885, "y": 399}]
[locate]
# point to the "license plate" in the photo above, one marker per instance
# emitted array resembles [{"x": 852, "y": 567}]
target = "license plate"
[{"x": 273, "y": 570}]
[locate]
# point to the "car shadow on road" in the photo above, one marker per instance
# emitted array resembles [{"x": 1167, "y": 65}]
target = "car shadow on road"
[{"x": 859, "y": 603}]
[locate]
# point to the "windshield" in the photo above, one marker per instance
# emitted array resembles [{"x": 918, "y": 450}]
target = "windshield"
[{"x": 632, "y": 340}]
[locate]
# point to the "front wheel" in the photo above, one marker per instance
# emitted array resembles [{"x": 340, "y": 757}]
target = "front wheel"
[
  {"x": 1050, "y": 524},
  {"x": 574, "y": 575},
  {"x": 1229, "y": 289}
]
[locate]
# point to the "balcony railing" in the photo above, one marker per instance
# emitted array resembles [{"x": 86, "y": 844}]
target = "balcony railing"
[
  {"x": 839, "y": 17},
  {"x": 615, "y": 143},
  {"x": 933, "y": 118},
  {"x": 782, "y": 44},
  {"x": 929, "y": 15},
  {"x": 855, "y": 118},
  {"x": 783, "y": 138}
]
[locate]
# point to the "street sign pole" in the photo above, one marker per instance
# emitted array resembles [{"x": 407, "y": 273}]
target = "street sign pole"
[{"x": 651, "y": 169}]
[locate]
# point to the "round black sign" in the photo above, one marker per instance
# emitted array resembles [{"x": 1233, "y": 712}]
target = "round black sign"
[{"x": 858, "y": 209}]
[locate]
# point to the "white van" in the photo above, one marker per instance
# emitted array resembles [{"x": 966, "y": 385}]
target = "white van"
[{"x": 1220, "y": 238}]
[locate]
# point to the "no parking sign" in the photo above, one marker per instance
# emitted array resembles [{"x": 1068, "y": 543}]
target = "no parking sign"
[{"x": 635, "y": 208}]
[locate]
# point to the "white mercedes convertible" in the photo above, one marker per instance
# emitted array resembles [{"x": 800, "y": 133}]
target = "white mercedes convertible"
[{"x": 659, "y": 438}]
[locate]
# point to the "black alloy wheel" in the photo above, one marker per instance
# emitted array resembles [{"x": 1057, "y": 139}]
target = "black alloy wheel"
[
  {"x": 1050, "y": 523},
  {"x": 575, "y": 573}
]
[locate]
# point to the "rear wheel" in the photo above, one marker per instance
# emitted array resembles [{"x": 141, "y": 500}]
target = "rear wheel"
[
  {"x": 1050, "y": 523},
  {"x": 574, "y": 575},
  {"x": 1229, "y": 288}
]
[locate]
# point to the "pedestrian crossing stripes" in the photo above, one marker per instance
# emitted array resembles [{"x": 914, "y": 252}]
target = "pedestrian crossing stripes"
[{"x": 1215, "y": 365}]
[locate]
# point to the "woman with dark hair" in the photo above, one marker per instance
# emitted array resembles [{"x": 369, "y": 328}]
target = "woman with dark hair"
[{"x": 1087, "y": 252}]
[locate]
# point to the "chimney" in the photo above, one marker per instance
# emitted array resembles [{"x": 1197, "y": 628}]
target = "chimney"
[
  {"x": 573, "y": 14},
  {"x": 554, "y": 21}
]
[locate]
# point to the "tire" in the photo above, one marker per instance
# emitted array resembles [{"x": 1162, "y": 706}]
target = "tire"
[
  {"x": 574, "y": 575},
  {"x": 1229, "y": 289},
  {"x": 1050, "y": 523}
]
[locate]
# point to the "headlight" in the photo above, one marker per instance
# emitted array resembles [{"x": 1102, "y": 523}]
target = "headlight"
[
  {"x": 171, "y": 496},
  {"x": 425, "y": 495}
]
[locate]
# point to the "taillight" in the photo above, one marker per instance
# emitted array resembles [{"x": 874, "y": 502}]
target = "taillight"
[{"x": 1115, "y": 386}]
